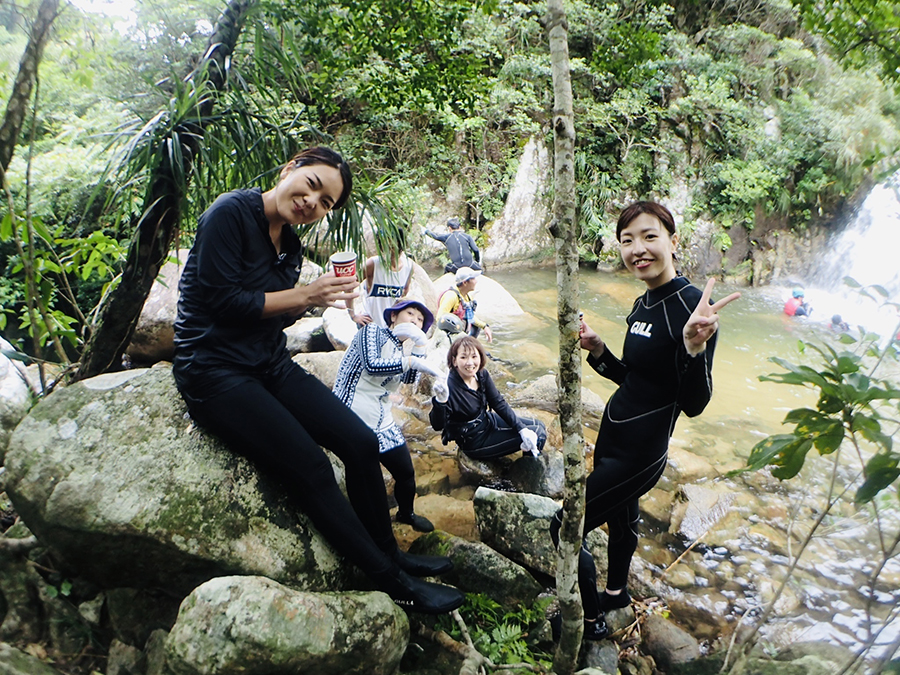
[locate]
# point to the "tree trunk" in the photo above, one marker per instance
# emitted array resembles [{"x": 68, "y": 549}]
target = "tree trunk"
[
  {"x": 565, "y": 237},
  {"x": 158, "y": 226},
  {"x": 17, "y": 106}
]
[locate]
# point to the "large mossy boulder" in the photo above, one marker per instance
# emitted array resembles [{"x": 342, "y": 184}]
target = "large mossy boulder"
[
  {"x": 112, "y": 475},
  {"x": 477, "y": 568},
  {"x": 254, "y": 626}
]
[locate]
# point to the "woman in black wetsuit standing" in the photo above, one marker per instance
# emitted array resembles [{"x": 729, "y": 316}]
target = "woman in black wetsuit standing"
[
  {"x": 665, "y": 369},
  {"x": 236, "y": 295}
]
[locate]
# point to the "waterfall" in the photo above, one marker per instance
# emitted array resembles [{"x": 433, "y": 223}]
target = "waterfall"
[{"x": 865, "y": 250}]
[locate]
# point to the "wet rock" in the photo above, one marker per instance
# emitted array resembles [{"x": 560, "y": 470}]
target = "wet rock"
[
  {"x": 483, "y": 472},
  {"x": 479, "y": 569},
  {"x": 656, "y": 508},
  {"x": 681, "y": 576},
  {"x": 837, "y": 655},
  {"x": 112, "y": 475},
  {"x": 788, "y": 602},
  {"x": 232, "y": 625},
  {"x": 15, "y": 396},
  {"x": 685, "y": 467},
  {"x": 451, "y": 513},
  {"x": 15, "y": 662},
  {"x": 702, "y": 507},
  {"x": 667, "y": 643}
]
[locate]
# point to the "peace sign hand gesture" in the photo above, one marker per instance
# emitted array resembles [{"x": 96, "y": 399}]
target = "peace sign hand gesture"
[{"x": 704, "y": 322}]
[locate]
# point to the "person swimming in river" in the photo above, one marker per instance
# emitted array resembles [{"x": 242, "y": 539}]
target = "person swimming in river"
[{"x": 796, "y": 305}]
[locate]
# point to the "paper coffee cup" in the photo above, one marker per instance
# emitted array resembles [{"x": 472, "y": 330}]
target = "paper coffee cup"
[{"x": 344, "y": 263}]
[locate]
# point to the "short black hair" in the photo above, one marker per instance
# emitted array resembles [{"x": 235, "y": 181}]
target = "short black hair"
[{"x": 321, "y": 155}]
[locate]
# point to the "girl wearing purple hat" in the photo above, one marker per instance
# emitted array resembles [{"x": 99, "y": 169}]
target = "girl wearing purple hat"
[{"x": 372, "y": 369}]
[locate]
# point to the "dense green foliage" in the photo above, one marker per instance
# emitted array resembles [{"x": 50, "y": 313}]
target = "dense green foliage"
[{"x": 734, "y": 105}]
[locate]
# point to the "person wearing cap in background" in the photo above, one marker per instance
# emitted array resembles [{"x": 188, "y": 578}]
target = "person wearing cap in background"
[
  {"x": 461, "y": 247},
  {"x": 372, "y": 369},
  {"x": 796, "y": 305},
  {"x": 457, "y": 300}
]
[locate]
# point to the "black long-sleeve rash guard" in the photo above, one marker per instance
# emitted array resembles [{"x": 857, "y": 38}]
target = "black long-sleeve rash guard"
[
  {"x": 232, "y": 265},
  {"x": 464, "y": 404},
  {"x": 655, "y": 370}
]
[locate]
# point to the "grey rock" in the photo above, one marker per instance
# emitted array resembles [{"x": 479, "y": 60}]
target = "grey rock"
[
  {"x": 482, "y": 472},
  {"x": 600, "y": 657},
  {"x": 520, "y": 232},
  {"x": 15, "y": 662},
  {"x": 542, "y": 475},
  {"x": 255, "y": 626},
  {"x": 113, "y": 476},
  {"x": 134, "y": 614},
  {"x": 154, "y": 336},
  {"x": 518, "y": 526},
  {"x": 155, "y": 649},
  {"x": 125, "y": 660},
  {"x": 543, "y": 394},
  {"x": 15, "y": 396},
  {"x": 339, "y": 327},
  {"x": 479, "y": 569},
  {"x": 667, "y": 643},
  {"x": 322, "y": 365},
  {"x": 307, "y": 335}
]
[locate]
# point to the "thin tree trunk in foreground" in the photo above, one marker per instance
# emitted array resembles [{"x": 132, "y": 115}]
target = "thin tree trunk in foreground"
[
  {"x": 17, "y": 106},
  {"x": 564, "y": 234},
  {"x": 158, "y": 226}
]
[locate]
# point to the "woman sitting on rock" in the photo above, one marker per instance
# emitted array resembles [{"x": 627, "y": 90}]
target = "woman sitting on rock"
[
  {"x": 372, "y": 369},
  {"x": 237, "y": 293},
  {"x": 475, "y": 415}
]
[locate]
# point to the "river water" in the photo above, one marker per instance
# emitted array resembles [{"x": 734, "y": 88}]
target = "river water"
[{"x": 744, "y": 554}]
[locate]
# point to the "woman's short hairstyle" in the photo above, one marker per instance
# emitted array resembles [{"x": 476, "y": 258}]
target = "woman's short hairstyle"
[
  {"x": 466, "y": 342},
  {"x": 322, "y": 155},
  {"x": 632, "y": 211}
]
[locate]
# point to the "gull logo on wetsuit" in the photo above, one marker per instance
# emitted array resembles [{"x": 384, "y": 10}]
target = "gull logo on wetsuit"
[
  {"x": 641, "y": 328},
  {"x": 381, "y": 291}
]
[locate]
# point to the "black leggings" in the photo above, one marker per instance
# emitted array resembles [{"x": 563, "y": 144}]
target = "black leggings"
[
  {"x": 279, "y": 422},
  {"x": 499, "y": 439},
  {"x": 623, "y": 472},
  {"x": 398, "y": 462}
]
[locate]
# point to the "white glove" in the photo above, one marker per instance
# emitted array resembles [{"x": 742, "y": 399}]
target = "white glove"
[
  {"x": 402, "y": 331},
  {"x": 529, "y": 441},
  {"x": 440, "y": 390},
  {"x": 420, "y": 364}
]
